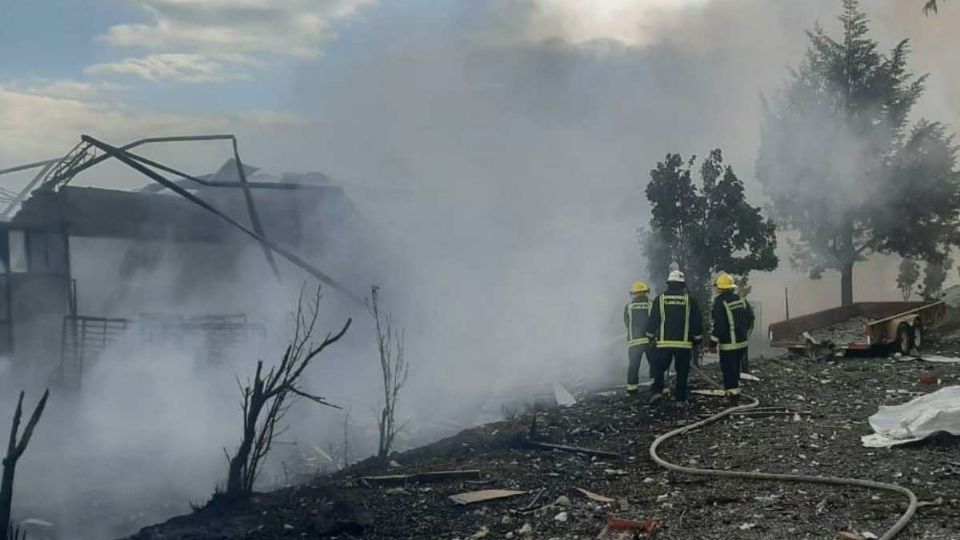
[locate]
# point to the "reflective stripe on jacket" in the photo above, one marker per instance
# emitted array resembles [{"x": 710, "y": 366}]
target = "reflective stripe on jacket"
[
  {"x": 635, "y": 315},
  {"x": 732, "y": 320},
  {"x": 675, "y": 320}
]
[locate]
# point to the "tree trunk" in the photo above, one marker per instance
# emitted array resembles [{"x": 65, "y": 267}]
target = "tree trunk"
[
  {"x": 846, "y": 284},
  {"x": 6, "y": 495},
  {"x": 848, "y": 257},
  {"x": 236, "y": 486}
]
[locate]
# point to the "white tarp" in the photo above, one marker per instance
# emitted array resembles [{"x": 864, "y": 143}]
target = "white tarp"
[
  {"x": 916, "y": 419},
  {"x": 940, "y": 359}
]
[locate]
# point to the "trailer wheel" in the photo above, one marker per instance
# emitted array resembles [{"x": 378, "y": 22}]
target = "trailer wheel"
[
  {"x": 904, "y": 339},
  {"x": 917, "y": 334}
]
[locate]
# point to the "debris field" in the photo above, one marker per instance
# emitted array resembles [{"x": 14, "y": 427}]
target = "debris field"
[
  {"x": 848, "y": 331},
  {"x": 551, "y": 491}
]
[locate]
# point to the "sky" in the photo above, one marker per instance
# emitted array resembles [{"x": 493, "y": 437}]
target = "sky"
[{"x": 126, "y": 67}]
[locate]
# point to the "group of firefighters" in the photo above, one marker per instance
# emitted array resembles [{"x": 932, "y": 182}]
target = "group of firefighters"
[{"x": 668, "y": 328}]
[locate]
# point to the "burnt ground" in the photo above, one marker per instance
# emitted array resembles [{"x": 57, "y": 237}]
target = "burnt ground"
[{"x": 839, "y": 395}]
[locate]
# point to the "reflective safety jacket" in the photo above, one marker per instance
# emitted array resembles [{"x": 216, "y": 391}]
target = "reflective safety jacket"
[
  {"x": 675, "y": 319},
  {"x": 732, "y": 320},
  {"x": 635, "y": 315}
]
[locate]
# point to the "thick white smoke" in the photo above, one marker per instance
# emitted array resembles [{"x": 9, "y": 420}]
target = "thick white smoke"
[{"x": 498, "y": 152}]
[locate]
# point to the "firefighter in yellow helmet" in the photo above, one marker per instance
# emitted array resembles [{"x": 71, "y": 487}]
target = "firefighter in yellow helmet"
[
  {"x": 732, "y": 320},
  {"x": 635, "y": 315},
  {"x": 674, "y": 327}
]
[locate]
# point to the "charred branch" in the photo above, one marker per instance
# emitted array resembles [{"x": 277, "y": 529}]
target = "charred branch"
[
  {"x": 268, "y": 398},
  {"x": 15, "y": 449}
]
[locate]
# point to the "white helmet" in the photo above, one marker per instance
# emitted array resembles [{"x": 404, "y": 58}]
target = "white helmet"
[{"x": 676, "y": 276}]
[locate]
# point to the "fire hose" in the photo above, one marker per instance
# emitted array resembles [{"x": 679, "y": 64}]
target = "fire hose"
[{"x": 749, "y": 475}]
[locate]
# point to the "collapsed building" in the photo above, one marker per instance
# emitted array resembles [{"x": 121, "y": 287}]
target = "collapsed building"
[{"x": 76, "y": 262}]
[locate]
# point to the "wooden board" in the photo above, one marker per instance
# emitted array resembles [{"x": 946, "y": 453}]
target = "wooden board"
[
  {"x": 596, "y": 496},
  {"x": 484, "y": 495}
]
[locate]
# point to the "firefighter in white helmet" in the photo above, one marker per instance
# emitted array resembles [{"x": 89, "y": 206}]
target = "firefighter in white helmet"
[{"x": 674, "y": 327}]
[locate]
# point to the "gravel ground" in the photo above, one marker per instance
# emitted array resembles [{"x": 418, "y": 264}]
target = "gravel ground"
[{"x": 839, "y": 396}]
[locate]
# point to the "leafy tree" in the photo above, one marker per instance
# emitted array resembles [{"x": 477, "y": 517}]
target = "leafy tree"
[
  {"x": 935, "y": 274},
  {"x": 907, "y": 277},
  {"x": 704, "y": 228},
  {"x": 842, "y": 167}
]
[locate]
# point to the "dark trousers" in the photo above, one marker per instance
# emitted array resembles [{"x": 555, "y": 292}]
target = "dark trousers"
[
  {"x": 635, "y": 354},
  {"x": 731, "y": 363},
  {"x": 681, "y": 362}
]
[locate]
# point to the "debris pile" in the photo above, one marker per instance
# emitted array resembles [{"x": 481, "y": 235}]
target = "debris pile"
[
  {"x": 593, "y": 477},
  {"x": 848, "y": 331}
]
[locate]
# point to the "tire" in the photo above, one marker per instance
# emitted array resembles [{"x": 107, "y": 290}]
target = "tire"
[
  {"x": 904, "y": 341},
  {"x": 918, "y": 336}
]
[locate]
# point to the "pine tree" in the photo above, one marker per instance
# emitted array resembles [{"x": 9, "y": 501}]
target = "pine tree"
[{"x": 840, "y": 165}]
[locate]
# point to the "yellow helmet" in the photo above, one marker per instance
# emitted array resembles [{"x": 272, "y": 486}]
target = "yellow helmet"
[
  {"x": 725, "y": 282},
  {"x": 639, "y": 287}
]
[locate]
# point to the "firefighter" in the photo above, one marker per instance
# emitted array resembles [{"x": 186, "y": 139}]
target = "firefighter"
[
  {"x": 635, "y": 315},
  {"x": 732, "y": 320},
  {"x": 674, "y": 327}
]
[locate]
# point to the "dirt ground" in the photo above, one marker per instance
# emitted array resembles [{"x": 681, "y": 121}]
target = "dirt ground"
[{"x": 839, "y": 395}]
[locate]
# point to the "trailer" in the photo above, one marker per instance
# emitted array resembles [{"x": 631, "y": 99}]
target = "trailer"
[{"x": 861, "y": 326}]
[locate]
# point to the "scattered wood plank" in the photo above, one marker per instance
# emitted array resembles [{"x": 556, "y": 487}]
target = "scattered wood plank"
[
  {"x": 441, "y": 476},
  {"x": 596, "y": 496},
  {"x": 484, "y": 495},
  {"x": 423, "y": 478},
  {"x": 576, "y": 449},
  {"x": 386, "y": 480}
]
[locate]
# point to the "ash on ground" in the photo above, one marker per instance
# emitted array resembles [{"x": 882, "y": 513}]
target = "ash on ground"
[{"x": 835, "y": 399}]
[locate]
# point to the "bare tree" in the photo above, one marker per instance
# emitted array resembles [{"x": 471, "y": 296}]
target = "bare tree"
[
  {"x": 393, "y": 367},
  {"x": 275, "y": 391},
  {"x": 15, "y": 450}
]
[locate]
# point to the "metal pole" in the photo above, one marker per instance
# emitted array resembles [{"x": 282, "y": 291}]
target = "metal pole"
[
  {"x": 786, "y": 303},
  {"x": 123, "y": 157}
]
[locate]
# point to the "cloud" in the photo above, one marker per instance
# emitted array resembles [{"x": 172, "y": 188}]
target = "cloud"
[
  {"x": 66, "y": 88},
  {"x": 296, "y": 28},
  {"x": 184, "y": 68},
  {"x": 34, "y": 127},
  {"x": 632, "y": 22}
]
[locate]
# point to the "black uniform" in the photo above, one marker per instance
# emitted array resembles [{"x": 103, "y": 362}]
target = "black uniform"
[
  {"x": 675, "y": 324},
  {"x": 732, "y": 320},
  {"x": 635, "y": 315}
]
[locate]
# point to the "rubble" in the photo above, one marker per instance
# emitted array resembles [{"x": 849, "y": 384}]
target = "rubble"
[
  {"x": 848, "y": 331},
  {"x": 823, "y": 440}
]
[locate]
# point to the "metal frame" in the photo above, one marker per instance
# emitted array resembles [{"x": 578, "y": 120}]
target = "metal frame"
[{"x": 59, "y": 173}]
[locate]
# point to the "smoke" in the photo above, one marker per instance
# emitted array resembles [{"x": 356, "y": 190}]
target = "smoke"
[{"x": 497, "y": 152}]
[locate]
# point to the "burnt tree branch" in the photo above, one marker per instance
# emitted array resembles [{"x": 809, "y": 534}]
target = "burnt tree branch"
[
  {"x": 15, "y": 449},
  {"x": 268, "y": 398}
]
